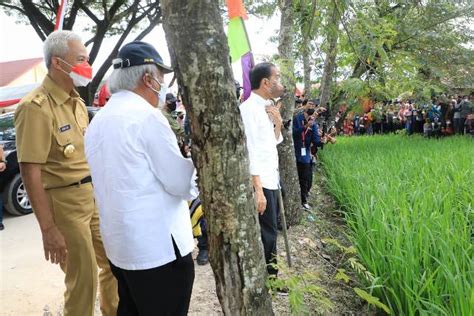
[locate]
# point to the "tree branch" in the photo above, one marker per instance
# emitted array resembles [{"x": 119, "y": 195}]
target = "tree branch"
[
  {"x": 36, "y": 16},
  {"x": 446, "y": 19},
  {"x": 153, "y": 22},
  {"x": 89, "y": 41},
  {"x": 89, "y": 13},
  {"x": 69, "y": 22},
  {"x": 117, "y": 4},
  {"x": 3, "y": 4}
]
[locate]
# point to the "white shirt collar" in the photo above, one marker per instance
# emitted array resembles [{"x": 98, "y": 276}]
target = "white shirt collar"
[{"x": 260, "y": 100}]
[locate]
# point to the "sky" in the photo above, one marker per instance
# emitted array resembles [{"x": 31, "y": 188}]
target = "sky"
[{"x": 20, "y": 41}]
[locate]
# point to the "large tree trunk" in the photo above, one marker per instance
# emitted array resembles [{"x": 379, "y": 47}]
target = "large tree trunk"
[
  {"x": 198, "y": 47},
  {"x": 307, "y": 73},
  {"x": 331, "y": 53},
  {"x": 286, "y": 151}
]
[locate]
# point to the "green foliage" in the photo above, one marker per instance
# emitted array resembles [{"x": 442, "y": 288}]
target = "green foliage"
[
  {"x": 304, "y": 294},
  {"x": 408, "y": 202},
  {"x": 417, "y": 46},
  {"x": 341, "y": 275},
  {"x": 371, "y": 300}
]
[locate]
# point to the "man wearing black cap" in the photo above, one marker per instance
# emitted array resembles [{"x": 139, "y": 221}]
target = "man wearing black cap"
[{"x": 144, "y": 215}]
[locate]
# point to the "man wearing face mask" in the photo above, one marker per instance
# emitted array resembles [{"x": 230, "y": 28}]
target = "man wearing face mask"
[
  {"x": 50, "y": 123},
  {"x": 168, "y": 109},
  {"x": 262, "y": 124},
  {"x": 142, "y": 202}
]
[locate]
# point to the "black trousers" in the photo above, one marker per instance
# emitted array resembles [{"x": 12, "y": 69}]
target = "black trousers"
[
  {"x": 305, "y": 176},
  {"x": 203, "y": 241},
  {"x": 269, "y": 230},
  {"x": 165, "y": 290}
]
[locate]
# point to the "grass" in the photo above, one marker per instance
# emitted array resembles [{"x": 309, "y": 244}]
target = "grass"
[{"x": 409, "y": 205}]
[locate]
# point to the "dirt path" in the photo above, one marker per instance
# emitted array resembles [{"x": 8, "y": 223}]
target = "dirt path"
[{"x": 29, "y": 284}]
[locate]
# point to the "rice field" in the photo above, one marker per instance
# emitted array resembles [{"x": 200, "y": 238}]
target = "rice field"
[{"x": 409, "y": 203}]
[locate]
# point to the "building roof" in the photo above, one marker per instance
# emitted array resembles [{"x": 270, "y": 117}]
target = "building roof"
[{"x": 12, "y": 70}]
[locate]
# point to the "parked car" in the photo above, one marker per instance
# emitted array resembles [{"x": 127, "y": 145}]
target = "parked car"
[{"x": 12, "y": 188}]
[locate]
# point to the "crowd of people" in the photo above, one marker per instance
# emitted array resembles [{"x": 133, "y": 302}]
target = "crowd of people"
[{"x": 444, "y": 116}]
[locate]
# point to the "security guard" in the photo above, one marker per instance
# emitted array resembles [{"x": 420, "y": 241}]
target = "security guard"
[{"x": 50, "y": 124}]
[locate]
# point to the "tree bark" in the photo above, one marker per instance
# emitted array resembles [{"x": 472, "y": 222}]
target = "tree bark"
[
  {"x": 307, "y": 73},
  {"x": 330, "y": 62},
  {"x": 308, "y": 36},
  {"x": 199, "y": 51},
  {"x": 286, "y": 151}
]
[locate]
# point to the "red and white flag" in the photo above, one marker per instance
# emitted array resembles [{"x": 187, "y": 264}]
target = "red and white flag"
[{"x": 60, "y": 15}]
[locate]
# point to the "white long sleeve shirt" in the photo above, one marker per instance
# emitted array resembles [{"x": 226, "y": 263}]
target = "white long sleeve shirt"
[
  {"x": 141, "y": 183},
  {"x": 261, "y": 141}
]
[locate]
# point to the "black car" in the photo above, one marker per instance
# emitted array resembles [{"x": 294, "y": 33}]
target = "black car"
[{"x": 13, "y": 191}]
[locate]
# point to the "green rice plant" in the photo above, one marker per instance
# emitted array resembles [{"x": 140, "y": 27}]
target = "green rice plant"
[{"x": 409, "y": 203}]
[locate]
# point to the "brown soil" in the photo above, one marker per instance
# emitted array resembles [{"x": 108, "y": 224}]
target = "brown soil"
[{"x": 311, "y": 254}]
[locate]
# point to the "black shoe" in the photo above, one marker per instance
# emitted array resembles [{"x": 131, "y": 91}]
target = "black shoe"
[
  {"x": 284, "y": 290},
  {"x": 202, "y": 257},
  {"x": 2, "y": 227}
]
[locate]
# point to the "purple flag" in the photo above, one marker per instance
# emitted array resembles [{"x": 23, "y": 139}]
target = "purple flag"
[{"x": 247, "y": 65}]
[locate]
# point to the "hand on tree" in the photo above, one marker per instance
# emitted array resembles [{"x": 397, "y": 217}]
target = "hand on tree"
[{"x": 54, "y": 245}]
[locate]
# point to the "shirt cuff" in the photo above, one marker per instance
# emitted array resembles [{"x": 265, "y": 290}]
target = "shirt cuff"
[
  {"x": 193, "y": 188},
  {"x": 280, "y": 139}
]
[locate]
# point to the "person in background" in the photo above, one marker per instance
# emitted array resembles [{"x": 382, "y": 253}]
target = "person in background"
[
  {"x": 465, "y": 111},
  {"x": 50, "y": 123},
  {"x": 3, "y": 167},
  {"x": 169, "y": 111},
  {"x": 305, "y": 134},
  {"x": 142, "y": 202},
  {"x": 262, "y": 126}
]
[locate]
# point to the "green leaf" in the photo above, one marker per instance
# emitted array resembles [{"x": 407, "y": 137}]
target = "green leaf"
[
  {"x": 341, "y": 275},
  {"x": 372, "y": 300}
]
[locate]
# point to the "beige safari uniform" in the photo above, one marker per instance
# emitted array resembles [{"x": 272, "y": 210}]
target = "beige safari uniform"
[{"x": 50, "y": 126}]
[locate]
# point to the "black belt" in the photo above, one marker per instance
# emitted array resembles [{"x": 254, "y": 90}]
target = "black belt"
[{"x": 83, "y": 181}]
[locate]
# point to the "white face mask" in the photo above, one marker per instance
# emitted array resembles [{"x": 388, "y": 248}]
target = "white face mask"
[{"x": 161, "y": 94}]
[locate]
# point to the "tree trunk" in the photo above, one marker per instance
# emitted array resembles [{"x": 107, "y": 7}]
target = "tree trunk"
[
  {"x": 330, "y": 62},
  {"x": 199, "y": 51},
  {"x": 286, "y": 151},
  {"x": 307, "y": 73}
]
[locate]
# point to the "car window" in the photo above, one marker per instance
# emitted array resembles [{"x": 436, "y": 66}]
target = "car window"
[{"x": 7, "y": 127}]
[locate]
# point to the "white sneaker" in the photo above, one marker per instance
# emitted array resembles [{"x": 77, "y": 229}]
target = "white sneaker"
[{"x": 306, "y": 206}]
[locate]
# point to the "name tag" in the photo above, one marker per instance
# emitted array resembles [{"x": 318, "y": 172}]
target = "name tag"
[
  {"x": 303, "y": 151},
  {"x": 65, "y": 128}
]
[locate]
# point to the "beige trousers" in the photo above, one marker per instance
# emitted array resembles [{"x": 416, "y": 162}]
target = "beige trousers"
[{"x": 76, "y": 216}]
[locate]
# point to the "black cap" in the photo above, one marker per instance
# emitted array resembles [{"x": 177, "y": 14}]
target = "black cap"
[
  {"x": 139, "y": 53},
  {"x": 170, "y": 98}
]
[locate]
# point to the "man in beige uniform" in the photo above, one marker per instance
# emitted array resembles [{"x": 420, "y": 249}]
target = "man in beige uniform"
[{"x": 50, "y": 123}]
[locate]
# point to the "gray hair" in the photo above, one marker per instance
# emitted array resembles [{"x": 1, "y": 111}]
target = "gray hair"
[
  {"x": 128, "y": 78},
  {"x": 56, "y": 44}
]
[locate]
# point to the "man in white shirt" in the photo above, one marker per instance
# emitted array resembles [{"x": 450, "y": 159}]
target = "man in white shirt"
[
  {"x": 262, "y": 124},
  {"x": 144, "y": 215}
]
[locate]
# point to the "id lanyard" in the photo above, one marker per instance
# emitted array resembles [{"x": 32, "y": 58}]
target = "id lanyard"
[{"x": 303, "y": 136}]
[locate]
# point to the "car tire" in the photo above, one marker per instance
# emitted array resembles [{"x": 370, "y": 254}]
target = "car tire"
[{"x": 15, "y": 198}]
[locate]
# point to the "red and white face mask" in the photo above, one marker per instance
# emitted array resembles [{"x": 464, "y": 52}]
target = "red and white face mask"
[{"x": 81, "y": 74}]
